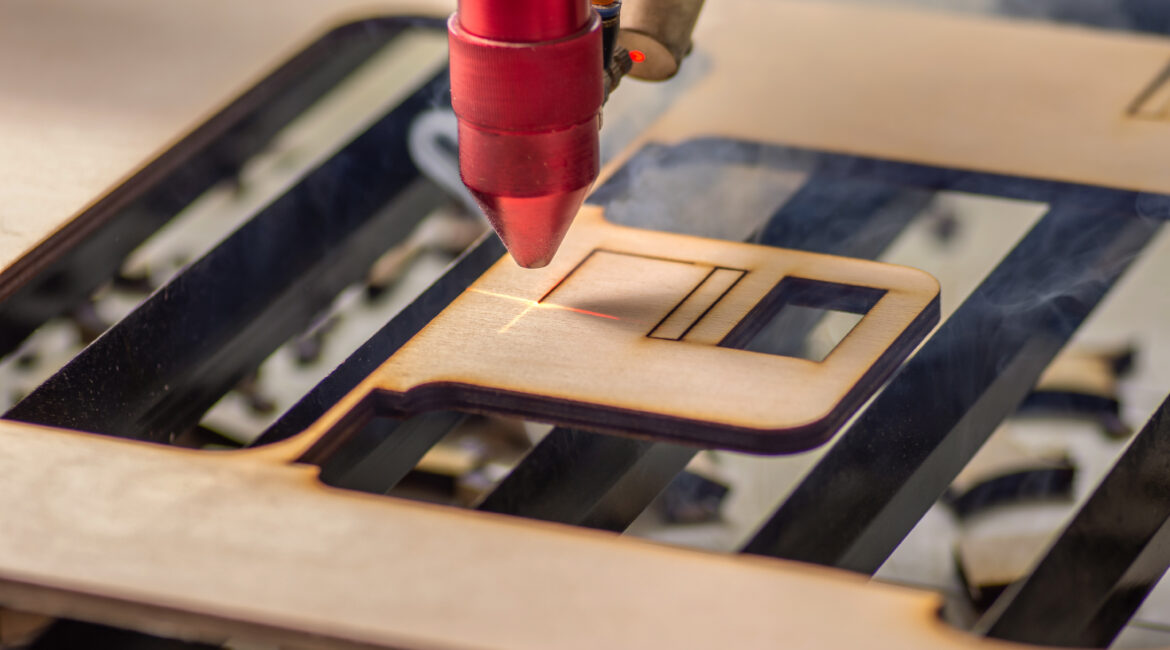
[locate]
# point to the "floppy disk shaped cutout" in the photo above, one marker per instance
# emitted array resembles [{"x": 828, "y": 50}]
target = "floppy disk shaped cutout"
[{"x": 635, "y": 331}]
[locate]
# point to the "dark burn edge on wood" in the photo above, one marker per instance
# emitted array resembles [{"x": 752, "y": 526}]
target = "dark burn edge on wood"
[
  {"x": 663, "y": 427},
  {"x": 443, "y": 396},
  {"x": 1038, "y": 484},
  {"x": 654, "y": 426}
]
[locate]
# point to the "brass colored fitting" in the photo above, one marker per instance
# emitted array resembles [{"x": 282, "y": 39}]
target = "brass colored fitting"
[{"x": 657, "y": 33}]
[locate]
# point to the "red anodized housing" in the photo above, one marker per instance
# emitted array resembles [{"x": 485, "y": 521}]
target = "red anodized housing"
[{"x": 527, "y": 87}]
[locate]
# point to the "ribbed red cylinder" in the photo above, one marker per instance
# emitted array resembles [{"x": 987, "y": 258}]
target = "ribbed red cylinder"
[
  {"x": 524, "y": 21},
  {"x": 527, "y": 87},
  {"x": 527, "y": 111}
]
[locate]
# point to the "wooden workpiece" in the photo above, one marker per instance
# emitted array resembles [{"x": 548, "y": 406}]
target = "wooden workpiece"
[
  {"x": 623, "y": 331},
  {"x": 212, "y": 545}
]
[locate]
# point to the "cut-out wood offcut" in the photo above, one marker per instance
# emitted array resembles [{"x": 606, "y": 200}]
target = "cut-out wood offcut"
[{"x": 634, "y": 331}]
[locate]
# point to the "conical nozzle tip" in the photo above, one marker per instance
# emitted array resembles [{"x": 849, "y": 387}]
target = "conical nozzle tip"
[{"x": 532, "y": 227}]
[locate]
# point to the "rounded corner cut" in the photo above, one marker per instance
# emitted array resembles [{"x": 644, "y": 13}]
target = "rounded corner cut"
[
  {"x": 776, "y": 440},
  {"x": 780, "y": 442},
  {"x": 921, "y": 280}
]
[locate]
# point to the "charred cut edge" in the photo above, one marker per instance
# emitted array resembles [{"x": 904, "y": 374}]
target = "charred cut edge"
[{"x": 629, "y": 422}]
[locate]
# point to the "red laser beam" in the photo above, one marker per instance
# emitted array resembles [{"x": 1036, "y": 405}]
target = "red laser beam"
[{"x": 533, "y": 304}]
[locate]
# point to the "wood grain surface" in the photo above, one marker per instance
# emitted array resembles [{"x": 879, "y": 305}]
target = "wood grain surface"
[{"x": 212, "y": 545}]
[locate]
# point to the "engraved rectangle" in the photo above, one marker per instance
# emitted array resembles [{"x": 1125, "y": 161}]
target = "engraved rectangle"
[
  {"x": 676, "y": 324},
  {"x": 607, "y": 282}
]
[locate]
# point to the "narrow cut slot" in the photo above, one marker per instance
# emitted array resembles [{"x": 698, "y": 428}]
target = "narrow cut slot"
[{"x": 691, "y": 310}]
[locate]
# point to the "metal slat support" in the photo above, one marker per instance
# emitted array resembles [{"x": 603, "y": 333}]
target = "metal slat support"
[
  {"x": 1105, "y": 563},
  {"x": 401, "y": 328},
  {"x": 872, "y": 487},
  {"x": 589, "y": 479},
  {"x": 93, "y": 246},
  {"x": 236, "y": 305}
]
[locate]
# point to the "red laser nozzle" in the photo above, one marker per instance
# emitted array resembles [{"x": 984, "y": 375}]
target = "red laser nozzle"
[{"x": 527, "y": 87}]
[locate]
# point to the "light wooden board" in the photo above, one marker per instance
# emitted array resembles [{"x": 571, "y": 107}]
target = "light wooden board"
[
  {"x": 622, "y": 332},
  {"x": 207, "y": 545},
  {"x": 994, "y": 95}
]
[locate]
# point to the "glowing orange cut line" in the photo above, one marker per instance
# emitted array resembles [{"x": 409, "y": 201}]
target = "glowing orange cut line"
[{"x": 533, "y": 304}]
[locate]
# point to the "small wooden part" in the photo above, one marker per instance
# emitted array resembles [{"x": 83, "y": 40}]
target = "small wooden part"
[
  {"x": 623, "y": 332},
  {"x": 1002, "y": 455},
  {"x": 1083, "y": 383},
  {"x": 1083, "y": 371}
]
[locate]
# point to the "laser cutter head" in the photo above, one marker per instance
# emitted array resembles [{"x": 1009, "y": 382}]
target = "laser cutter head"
[{"x": 527, "y": 86}]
